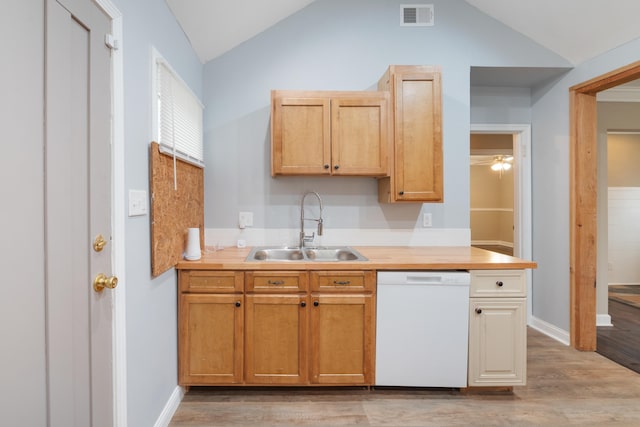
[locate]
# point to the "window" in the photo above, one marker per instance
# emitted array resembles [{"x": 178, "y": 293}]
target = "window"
[{"x": 179, "y": 116}]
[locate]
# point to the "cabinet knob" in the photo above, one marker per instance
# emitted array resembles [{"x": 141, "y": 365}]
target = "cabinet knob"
[
  {"x": 316, "y": 303},
  {"x": 479, "y": 310},
  {"x": 303, "y": 304},
  {"x": 401, "y": 193},
  {"x": 238, "y": 304},
  {"x": 499, "y": 283},
  {"x": 336, "y": 167},
  {"x": 326, "y": 166}
]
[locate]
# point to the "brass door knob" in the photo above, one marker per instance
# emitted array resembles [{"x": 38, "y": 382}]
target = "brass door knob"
[
  {"x": 99, "y": 243},
  {"x": 102, "y": 281}
]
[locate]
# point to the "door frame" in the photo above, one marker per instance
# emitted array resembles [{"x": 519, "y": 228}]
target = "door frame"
[
  {"x": 583, "y": 140},
  {"x": 522, "y": 192},
  {"x": 119, "y": 355}
]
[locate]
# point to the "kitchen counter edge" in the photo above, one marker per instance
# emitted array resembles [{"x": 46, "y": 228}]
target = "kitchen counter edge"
[{"x": 379, "y": 258}]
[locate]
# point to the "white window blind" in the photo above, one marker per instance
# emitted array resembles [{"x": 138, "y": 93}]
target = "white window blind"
[{"x": 179, "y": 117}]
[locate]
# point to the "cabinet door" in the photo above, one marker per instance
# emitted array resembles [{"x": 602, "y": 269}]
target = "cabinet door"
[
  {"x": 497, "y": 342},
  {"x": 301, "y": 136},
  {"x": 275, "y": 339},
  {"x": 417, "y": 120},
  {"x": 210, "y": 339},
  {"x": 342, "y": 339},
  {"x": 360, "y": 136}
]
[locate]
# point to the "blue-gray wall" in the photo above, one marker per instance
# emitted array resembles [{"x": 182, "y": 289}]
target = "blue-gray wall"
[
  {"x": 345, "y": 45},
  {"x": 550, "y": 151},
  {"x": 151, "y": 304}
]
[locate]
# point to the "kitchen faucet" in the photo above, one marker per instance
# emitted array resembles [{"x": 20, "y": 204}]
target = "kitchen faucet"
[{"x": 304, "y": 237}]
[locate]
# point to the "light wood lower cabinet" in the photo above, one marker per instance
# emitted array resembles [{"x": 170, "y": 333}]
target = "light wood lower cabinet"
[
  {"x": 497, "y": 328},
  {"x": 276, "y": 339},
  {"x": 342, "y": 329},
  {"x": 210, "y": 344},
  {"x": 275, "y": 331}
]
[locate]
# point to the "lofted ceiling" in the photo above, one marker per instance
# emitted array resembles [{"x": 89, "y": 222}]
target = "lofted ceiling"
[{"x": 575, "y": 29}]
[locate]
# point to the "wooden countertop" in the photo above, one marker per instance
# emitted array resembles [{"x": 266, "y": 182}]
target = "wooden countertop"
[{"x": 379, "y": 258}]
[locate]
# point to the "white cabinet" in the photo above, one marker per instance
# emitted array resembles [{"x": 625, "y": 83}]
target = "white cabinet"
[{"x": 497, "y": 328}]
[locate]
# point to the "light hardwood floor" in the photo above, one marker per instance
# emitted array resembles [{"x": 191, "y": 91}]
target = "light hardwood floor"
[{"x": 565, "y": 387}]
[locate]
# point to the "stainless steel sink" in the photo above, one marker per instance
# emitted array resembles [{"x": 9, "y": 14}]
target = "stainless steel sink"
[
  {"x": 275, "y": 254},
  {"x": 312, "y": 254},
  {"x": 333, "y": 254}
]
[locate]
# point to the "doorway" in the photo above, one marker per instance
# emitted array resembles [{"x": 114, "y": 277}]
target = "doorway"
[
  {"x": 522, "y": 229},
  {"x": 583, "y": 201},
  {"x": 618, "y": 289}
]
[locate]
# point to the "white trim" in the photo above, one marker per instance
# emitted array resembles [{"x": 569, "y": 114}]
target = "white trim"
[
  {"x": 119, "y": 355},
  {"x": 603, "y": 320},
  {"x": 619, "y": 94},
  {"x": 549, "y": 330},
  {"x": 170, "y": 407},
  {"x": 523, "y": 238},
  {"x": 491, "y": 210}
]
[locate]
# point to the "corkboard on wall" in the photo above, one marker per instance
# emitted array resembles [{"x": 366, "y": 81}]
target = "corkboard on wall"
[{"x": 173, "y": 210}]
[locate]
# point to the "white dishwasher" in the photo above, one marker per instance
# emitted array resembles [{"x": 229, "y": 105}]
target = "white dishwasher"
[{"x": 422, "y": 327}]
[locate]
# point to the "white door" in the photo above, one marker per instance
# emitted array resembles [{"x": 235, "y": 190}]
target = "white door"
[{"x": 78, "y": 209}]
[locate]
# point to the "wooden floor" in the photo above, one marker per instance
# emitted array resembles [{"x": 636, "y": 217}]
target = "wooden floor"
[
  {"x": 621, "y": 343},
  {"x": 565, "y": 387}
]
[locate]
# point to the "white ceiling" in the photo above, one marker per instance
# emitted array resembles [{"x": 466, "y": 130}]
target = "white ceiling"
[
  {"x": 575, "y": 29},
  {"x": 217, "y": 26}
]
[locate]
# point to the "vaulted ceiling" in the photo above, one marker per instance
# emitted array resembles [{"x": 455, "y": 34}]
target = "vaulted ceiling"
[{"x": 575, "y": 29}]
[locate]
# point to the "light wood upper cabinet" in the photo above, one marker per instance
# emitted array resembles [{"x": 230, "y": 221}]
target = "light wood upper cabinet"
[
  {"x": 417, "y": 165},
  {"x": 329, "y": 133}
]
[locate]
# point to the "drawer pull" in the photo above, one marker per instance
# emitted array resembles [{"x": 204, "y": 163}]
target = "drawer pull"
[
  {"x": 479, "y": 310},
  {"x": 276, "y": 282},
  {"x": 499, "y": 283},
  {"x": 342, "y": 282}
]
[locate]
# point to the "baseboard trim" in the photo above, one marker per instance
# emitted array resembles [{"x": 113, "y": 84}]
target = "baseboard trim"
[
  {"x": 550, "y": 330},
  {"x": 170, "y": 407},
  {"x": 603, "y": 320}
]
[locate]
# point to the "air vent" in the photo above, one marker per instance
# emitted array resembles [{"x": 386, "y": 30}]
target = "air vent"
[{"x": 416, "y": 15}]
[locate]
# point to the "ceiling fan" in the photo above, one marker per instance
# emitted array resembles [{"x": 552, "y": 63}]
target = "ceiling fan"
[{"x": 498, "y": 163}]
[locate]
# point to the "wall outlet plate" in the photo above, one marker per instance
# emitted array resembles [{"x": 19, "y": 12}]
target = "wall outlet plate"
[
  {"x": 245, "y": 219},
  {"x": 426, "y": 219}
]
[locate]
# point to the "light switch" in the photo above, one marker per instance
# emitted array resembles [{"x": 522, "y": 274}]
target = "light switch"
[{"x": 137, "y": 202}]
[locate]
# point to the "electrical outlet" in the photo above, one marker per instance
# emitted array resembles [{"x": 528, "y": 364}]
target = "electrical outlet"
[
  {"x": 426, "y": 219},
  {"x": 245, "y": 219}
]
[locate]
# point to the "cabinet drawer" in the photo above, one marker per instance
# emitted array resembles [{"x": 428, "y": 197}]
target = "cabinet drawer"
[
  {"x": 342, "y": 281},
  {"x": 498, "y": 283},
  {"x": 211, "y": 281},
  {"x": 277, "y": 281}
]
